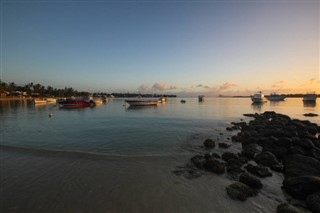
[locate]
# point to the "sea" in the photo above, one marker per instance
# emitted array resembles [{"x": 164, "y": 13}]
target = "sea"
[{"x": 114, "y": 158}]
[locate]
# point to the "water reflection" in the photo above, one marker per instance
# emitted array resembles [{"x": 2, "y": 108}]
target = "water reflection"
[
  {"x": 309, "y": 104},
  {"x": 257, "y": 106}
]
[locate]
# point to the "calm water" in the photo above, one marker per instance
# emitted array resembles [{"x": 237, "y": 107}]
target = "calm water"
[
  {"x": 111, "y": 128},
  {"x": 114, "y": 159}
]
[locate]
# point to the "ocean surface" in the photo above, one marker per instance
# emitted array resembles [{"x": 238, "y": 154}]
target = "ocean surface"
[{"x": 111, "y": 158}]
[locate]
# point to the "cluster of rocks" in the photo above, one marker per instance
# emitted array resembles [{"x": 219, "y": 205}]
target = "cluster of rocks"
[{"x": 270, "y": 142}]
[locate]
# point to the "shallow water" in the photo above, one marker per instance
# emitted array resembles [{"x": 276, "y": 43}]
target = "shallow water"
[{"x": 114, "y": 159}]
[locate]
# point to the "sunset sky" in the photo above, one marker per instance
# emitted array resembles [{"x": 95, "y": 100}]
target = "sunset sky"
[{"x": 180, "y": 47}]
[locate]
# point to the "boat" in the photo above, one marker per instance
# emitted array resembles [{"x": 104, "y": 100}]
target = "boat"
[
  {"x": 310, "y": 97},
  {"x": 258, "y": 98},
  {"x": 97, "y": 101},
  {"x": 51, "y": 100},
  {"x": 39, "y": 101},
  {"x": 183, "y": 101},
  {"x": 201, "y": 98},
  {"x": 76, "y": 103},
  {"x": 275, "y": 97},
  {"x": 162, "y": 100},
  {"x": 141, "y": 102}
]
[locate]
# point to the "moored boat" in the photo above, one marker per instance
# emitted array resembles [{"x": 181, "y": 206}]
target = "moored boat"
[
  {"x": 141, "y": 102},
  {"x": 51, "y": 100},
  {"x": 39, "y": 101},
  {"x": 275, "y": 97},
  {"x": 310, "y": 97},
  {"x": 201, "y": 98},
  {"x": 258, "y": 98},
  {"x": 76, "y": 103}
]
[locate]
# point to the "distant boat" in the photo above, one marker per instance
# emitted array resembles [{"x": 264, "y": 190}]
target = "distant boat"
[
  {"x": 310, "y": 97},
  {"x": 183, "y": 101},
  {"x": 201, "y": 98},
  {"x": 141, "y": 102},
  {"x": 76, "y": 103},
  {"x": 162, "y": 100},
  {"x": 276, "y": 97},
  {"x": 258, "y": 98},
  {"x": 39, "y": 101}
]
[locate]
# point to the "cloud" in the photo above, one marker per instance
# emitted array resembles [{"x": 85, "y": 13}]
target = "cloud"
[
  {"x": 156, "y": 87},
  {"x": 203, "y": 86},
  {"x": 163, "y": 87},
  {"x": 227, "y": 85},
  {"x": 144, "y": 88}
]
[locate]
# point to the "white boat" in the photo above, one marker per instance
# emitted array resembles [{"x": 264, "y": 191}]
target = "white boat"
[
  {"x": 162, "y": 100},
  {"x": 51, "y": 100},
  {"x": 39, "y": 101},
  {"x": 201, "y": 98},
  {"x": 97, "y": 101},
  {"x": 258, "y": 98},
  {"x": 310, "y": 97},
  {"x": 141, "y": 102},
  {"x": 275, "y": 97}
]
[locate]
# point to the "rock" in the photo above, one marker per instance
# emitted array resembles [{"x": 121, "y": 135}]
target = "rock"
[
  {"x": 313, "y": 202},
  {"x": 229, "y": 155},
  {"x": 208, "y": 143},
  {"x": 284, "y": 142},
  {"x": 301, "y": 187},
  {"x": 234, "y": 167},
  {"x": 198, "y": 161},
  {"x": 240, "y": 191},
  {"x": 249, "y": 115},
  {"x": 288, "y": 208},
  {"x": 299, "y": 165},
  {"x": 303, "y": 142},
  {"x": 251, "y": 149},
  {"x": 236, "y": 138},
  {"x": 214, "y": 166},
  {"x": 207, "y": 156},
  {"x": 224, "y": 145},
  {"x": 250, "y": 180},
  {"x": 277, "y": 168},
  {"x": 215, "y": 155},
  {"x": 310, "y": 114},
  {"x": 260, "y": 171},
  {"x": 266, "y": 159}
]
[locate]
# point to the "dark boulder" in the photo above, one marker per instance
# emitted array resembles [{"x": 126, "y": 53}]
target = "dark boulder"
[
  {"x": 301, "y": 187},
  {"x": 313, "y": 202},
  {"x": 224, "y": 145},
  {"x": 299, "y": 165},
  {"x": 229, "y": 155},
  {"x": 240, "y": 191},
  {"x": 214, "y": 166},
  {"x": 215, "y": 155},
  {"x": 288, "y": 208},
  {"x": 284, "y": 142},
  {"x": 310, "y": 114},
  {"x": 251, "y": 150},
  {"x": 234, "y": 167},
  {"x": 250, "y": 180},
  {"x": 303, "y": 142},
  {"x": 259, "y": 171},
  {"x": 209, "y": 143},
  {"x": 198, "y": 161},
  {"x": 266, "y": 159}
]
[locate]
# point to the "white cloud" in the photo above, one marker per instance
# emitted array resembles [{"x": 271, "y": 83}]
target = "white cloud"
[{"x": 227, "y": 85}]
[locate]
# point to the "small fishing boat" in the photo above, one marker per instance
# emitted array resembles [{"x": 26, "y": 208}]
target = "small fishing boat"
[
  {"x": 141, "y": 102},
  {"x": 275, "y": 97},
  {"x": 51, "y": 100},
  {"x": 76, "y": 103},
  {"x": 258, "y": 98},
  {"x": 39, "y": 101},
  {"x": 310, "y": 97},
  {"x": 183, "y": 101},
  {"x": 201, "y": 98}
]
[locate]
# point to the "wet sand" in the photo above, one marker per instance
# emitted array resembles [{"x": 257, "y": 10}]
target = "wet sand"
[{"x": 53, "y": 181}]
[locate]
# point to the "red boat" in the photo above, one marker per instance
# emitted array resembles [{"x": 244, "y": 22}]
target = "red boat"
[{"x": 76, "y": 103}]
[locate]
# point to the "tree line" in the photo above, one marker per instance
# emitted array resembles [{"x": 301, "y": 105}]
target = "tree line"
[{"x": 32, "y": 89}]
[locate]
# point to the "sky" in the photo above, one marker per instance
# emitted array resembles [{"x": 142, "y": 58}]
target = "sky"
[{"x": 173, "y": 47}]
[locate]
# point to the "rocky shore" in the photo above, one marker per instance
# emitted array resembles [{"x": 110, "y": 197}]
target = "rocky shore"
[{"x": 270, "y": 143}]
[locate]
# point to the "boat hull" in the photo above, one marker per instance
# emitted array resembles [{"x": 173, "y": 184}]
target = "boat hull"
[
  {"x": 310, "y": 98},
  {"x": 142, "y": 102},
  {"x": 75, "y": 103},
  {"x": 276, "y": 98}
]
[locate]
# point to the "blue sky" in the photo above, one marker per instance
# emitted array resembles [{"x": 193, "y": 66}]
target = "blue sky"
[{"x": 188, "y": 47}]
